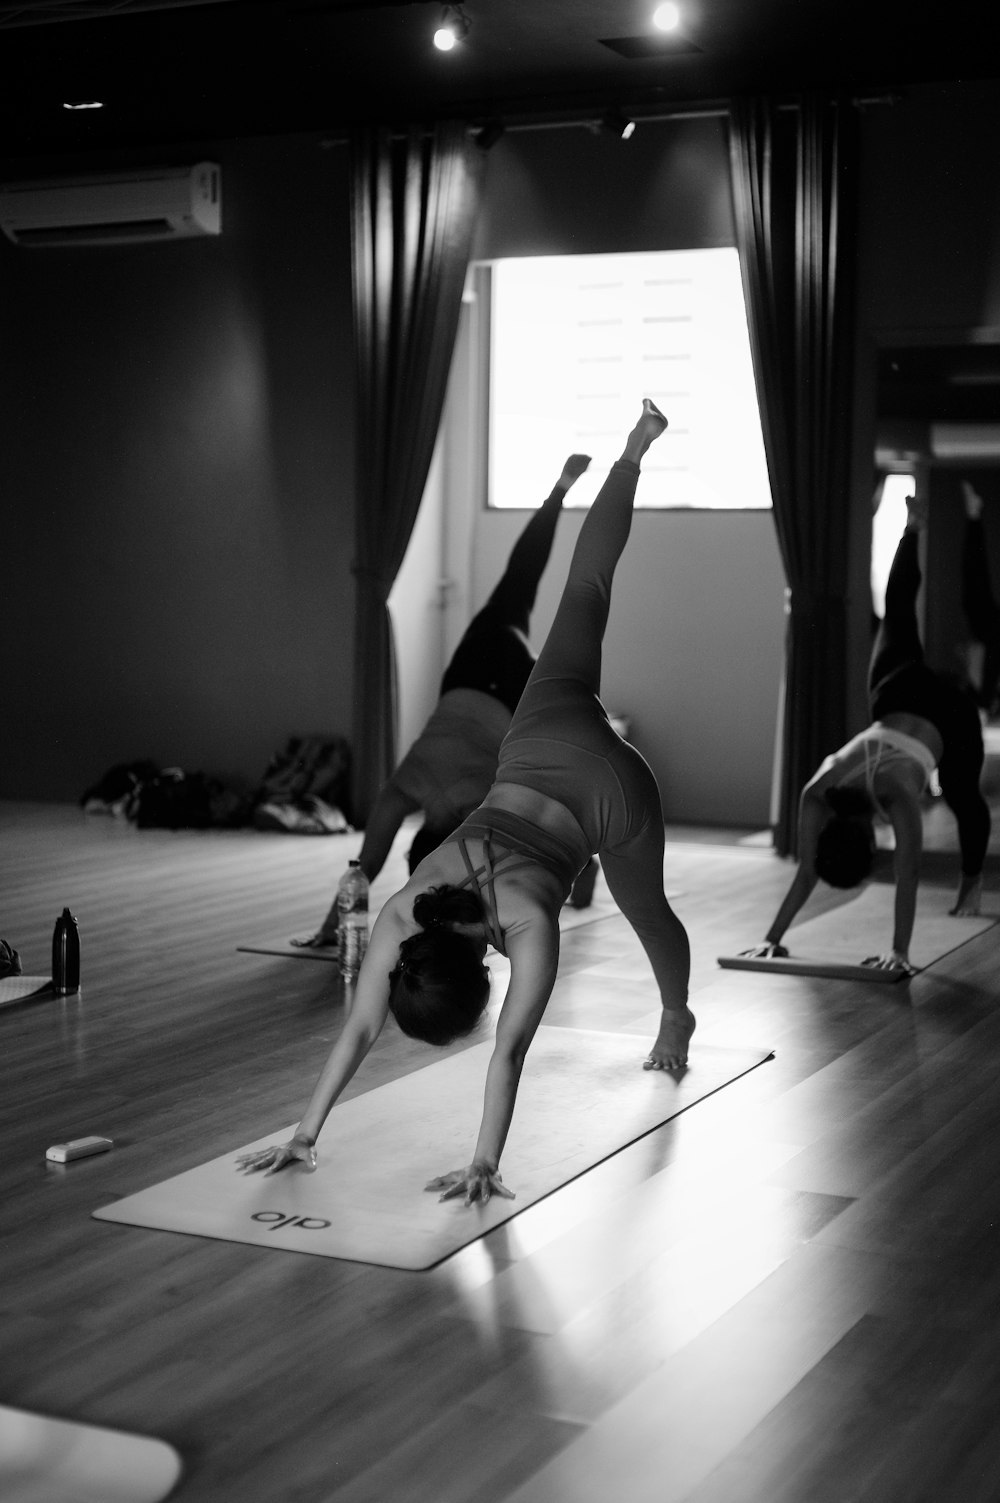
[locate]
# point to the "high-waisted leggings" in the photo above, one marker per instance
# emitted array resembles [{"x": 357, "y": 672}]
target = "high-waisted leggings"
[
  {"x": 980, "y": 607},
  {"x": 899, "y": 682},
  {"x": 494, "y": 655},
  {"x": 562, "y": 744}
]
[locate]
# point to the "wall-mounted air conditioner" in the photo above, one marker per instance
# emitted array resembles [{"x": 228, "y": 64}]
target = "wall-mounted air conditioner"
[{"x": 170, "y": 203}]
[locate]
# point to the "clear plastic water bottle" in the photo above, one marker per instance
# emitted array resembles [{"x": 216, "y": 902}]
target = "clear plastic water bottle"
[
  {"x": 66, "y": 955},
  {"x": 352, "y": 920}
]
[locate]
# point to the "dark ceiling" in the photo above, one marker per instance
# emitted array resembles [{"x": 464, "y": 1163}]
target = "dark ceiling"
[
  {"x": 170, "y": 73},
  {"x": 940, "y": 383}
]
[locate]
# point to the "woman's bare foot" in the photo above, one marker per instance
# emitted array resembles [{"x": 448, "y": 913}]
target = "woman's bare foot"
[
  {"x": 670, "y": 1051},
  {"x": 649, "y": 427},
  {"x": 574, "y": 467},
  {"x": 916, "y": 514},
  {"x": 969, "y": 899}
]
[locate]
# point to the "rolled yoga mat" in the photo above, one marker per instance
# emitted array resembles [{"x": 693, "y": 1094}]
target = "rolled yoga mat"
[
  {"x": 583, "y": 1096},
  {"x": 837, "y": 942},
  {"x": 24, "y": 989},
  {"x": 44, "y": 1460}
]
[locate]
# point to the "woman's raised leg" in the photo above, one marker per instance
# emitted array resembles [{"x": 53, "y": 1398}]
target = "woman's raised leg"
[
  {"x": 494, "y": 654},
  {"x": 897, "y": 642},
  {"x": 573, "y": 646},
  {"x": 978, "y": 601},
  {"x": 513, "y": 599}
]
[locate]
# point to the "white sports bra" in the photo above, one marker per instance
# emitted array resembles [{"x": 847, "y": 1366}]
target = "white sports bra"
[{"x": 884, "y": 747}]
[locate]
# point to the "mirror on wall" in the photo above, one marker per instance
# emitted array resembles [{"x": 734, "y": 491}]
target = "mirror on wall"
[{"x": 938, "y": 433}]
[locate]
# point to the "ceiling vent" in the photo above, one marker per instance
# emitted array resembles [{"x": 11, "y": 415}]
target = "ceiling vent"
[{"x": 171, "y": 203}]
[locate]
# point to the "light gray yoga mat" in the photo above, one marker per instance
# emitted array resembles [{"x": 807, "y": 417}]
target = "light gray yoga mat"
[
  {"x": 837, "y": 942},
  {"x": 44, "y": 1460},
  {"x": 583, "y": 1096}
]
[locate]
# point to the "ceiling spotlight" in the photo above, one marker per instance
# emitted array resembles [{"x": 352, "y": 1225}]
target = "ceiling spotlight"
[
  {"x": 667, "y": 17},
  {"x": 618, "y": 124},
  {"x": 454, "y": 28}
]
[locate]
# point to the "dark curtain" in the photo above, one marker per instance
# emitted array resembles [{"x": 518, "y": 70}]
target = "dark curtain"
[
  {"x": 413, "y": 207},
  {"x": 794, "y": 174}
]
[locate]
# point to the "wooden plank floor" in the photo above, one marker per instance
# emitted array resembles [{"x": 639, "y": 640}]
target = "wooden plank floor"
[{"x": 787, "y": 1295}]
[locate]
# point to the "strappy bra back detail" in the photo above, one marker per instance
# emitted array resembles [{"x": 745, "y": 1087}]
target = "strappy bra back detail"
[
  {"x": 883, "y": 748},
  {"x": 483, "y": 880}
]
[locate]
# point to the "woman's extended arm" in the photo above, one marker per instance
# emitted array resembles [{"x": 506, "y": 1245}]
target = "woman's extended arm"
[
  {"x": 907, "y": 827},
  {"x": 534, "y": 957},
  {"x": 813, "y": 815},
  {"x": 362, "y": 1027},
  {"x": 390, "y": 809}
]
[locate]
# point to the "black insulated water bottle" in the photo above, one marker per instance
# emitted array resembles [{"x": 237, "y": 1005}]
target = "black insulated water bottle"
[{"x": 66, "y": 955}]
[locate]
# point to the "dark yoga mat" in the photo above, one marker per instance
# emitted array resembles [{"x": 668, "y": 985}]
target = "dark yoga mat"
[{"x": 837, "y": 942}]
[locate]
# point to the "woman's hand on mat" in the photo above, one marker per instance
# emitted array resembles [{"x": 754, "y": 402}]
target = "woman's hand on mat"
[
  {"x": 670, "y": 1051},
  {"x": 279, "y": 1156},
  {"x": 969, "y": 900},
  {"x": 476, "y": 1182},
  {"x": 894, "y": 961},
  {"x": 766, "y": 951}
]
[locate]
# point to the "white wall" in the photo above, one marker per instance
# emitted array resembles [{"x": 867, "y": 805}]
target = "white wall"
[{"x": 693, "y": 651}]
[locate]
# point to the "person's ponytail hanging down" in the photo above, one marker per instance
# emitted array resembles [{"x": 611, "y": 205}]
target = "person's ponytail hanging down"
[{"x": 845, "y": 848}]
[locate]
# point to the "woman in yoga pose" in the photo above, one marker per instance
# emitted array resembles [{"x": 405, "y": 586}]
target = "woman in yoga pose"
[
  {"x": 450, "y": 768},
  {"x": 567, "y": 785},
  {"x": 921, "y": 720}
]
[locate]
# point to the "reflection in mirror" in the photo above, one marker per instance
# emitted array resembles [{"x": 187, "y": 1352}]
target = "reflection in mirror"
[{"x": 938, "y": 433}]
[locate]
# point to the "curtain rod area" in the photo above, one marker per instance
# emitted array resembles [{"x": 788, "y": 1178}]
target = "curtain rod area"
[{"x": 591, "y": 120}]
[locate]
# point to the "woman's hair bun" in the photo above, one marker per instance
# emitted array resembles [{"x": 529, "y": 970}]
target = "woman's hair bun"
[
  {"x": 446, "y": 905},
  {"x": 847, "y": 803}
]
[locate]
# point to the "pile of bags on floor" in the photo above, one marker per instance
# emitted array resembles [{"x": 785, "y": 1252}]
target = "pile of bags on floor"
[
  {"x": 302, "y": 792},
  {"x": 305, "y": 788}
]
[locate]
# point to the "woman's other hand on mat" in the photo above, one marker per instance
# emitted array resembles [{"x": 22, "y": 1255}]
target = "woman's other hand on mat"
[
  {"x": 767, "y": 951},
  {"x": 279, "y": 1156},
  {"x": 670, "y": 1051},
  {"x": 323, "y": 939},
  {"x": 479, "y": 1181},
  {"x": 969, "y": 900},
  {"x": 894, "y": 961}
]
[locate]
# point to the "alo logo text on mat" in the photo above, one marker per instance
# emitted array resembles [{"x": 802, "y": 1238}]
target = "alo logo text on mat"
[{"x": 275, "y": 1219}]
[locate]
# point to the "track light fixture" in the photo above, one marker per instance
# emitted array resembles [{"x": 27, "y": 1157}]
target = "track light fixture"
[
  {"x": 618, "y": 124},
  {"x": 453, "y": 28},
  {"x": 489, "y": 135}
]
